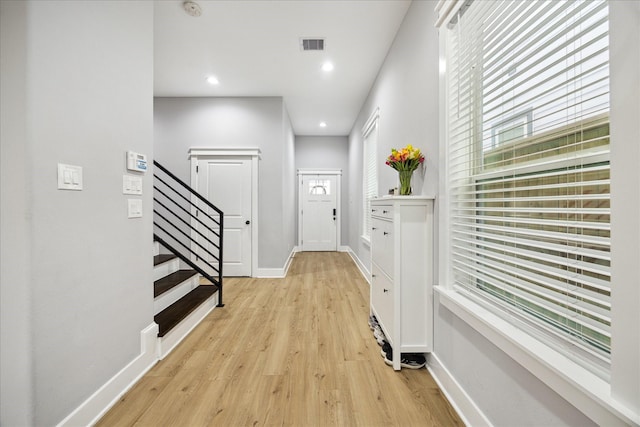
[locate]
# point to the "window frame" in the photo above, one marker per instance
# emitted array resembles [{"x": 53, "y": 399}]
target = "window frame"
[
  {"x": 369, "y": 171},
  {"x": 608, "y": 402}
]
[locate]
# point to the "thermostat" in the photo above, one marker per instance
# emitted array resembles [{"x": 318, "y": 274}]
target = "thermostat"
[{"x": 136, "y": 162}]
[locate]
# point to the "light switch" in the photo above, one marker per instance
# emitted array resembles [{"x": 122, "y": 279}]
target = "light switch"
[
  {"x": 69, "y": 177},
  {"x": 131, "y": 184},
  {"x": 135, "y": 208}
]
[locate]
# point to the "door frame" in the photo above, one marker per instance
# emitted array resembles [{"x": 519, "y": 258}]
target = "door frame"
[
  {"x": 253, "y": 154},
  {"x": 302, "y": 173}
]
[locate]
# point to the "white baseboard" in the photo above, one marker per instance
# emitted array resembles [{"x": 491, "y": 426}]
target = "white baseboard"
[
  {"x": 92, "y": 409},
  {"x": 278, "y": 273},
  {"x": 363, "y": 270},
  {"x": 289, "y": 261},
  {"x": 465, "y": 407},
  {"x": 270, "y": 273}
]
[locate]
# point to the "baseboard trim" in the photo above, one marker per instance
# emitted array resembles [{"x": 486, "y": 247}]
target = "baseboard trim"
[
  {"x": 92, "y": 409},
  {"x": 463, "y": 404},
  {"x": 363, "y": 270},
  {"x": 270, "y": 273},
  {"x": 289, "y": 261},
  {"x": 277, "y": 273}
]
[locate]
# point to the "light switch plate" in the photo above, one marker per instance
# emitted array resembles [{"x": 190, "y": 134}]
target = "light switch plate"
[
  {"x": 132, "y": 184},
  {"x": 69, "y": 177},
  {"x": 135, "y": 208}
]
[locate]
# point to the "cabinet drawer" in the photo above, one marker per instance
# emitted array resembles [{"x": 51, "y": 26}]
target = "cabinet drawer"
[
  {"x": 382, "y": 211},
  {"x": 382, "y": 294},
  {"x": 382, "y": 245}
]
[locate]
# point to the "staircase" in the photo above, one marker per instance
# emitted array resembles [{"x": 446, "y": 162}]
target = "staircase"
[
  {"x": 180, "y": 301},
  {"x": 187, "y": 258}
]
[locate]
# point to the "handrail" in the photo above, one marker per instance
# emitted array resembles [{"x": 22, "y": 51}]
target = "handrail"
[{"x": 183, "y": 230}]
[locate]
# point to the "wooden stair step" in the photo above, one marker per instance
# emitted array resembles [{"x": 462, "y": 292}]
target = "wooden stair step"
[
  {"x": 159, "y": 259},
  {"x": 172, "y": 315},
  {"x": 167, "y": 283}
]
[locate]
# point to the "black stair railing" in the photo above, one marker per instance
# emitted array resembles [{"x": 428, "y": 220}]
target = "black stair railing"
[{"x": 188, "y": 225}]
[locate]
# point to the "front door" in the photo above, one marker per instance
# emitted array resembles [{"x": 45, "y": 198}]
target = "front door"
[
  {"x": 318, "y": 213},
  {"x": 226, "y": 183}
]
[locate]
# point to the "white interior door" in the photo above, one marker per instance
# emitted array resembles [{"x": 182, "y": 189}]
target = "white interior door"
[
  {"x": 318, "y": 216},
  {"x": 226, "y": 183}
]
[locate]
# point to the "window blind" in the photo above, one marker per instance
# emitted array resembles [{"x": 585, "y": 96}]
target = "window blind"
[
  {"x": 370, "y": 170},
  {"x": 528, "y": 164}
]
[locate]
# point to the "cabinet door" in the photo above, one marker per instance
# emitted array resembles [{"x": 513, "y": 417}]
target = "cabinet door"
[
  {"x": 382, "y": 245},
  {"x": 382, "y": 294}
]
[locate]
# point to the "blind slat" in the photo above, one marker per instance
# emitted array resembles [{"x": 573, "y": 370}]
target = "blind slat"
[
  {"x": 574, "y": 243},
  {"x": 588, "y": 302},
  {"x": 562, "y": 308},
  {"x": 564, "y": 268},
  {"x": 528, "y": 163}
]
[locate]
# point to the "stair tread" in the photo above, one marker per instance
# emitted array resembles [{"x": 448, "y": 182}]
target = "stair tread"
[
  {"x": 161, "y": 286},
  {"x": 172, "y": 315},
  {"x": 159, "y": 259}
]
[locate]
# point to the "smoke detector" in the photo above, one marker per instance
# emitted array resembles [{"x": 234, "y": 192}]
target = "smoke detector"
[{"x": 192, "y": 8}]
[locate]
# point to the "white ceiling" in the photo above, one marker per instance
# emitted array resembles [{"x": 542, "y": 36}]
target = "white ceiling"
[{"x": 253, "y": 48}]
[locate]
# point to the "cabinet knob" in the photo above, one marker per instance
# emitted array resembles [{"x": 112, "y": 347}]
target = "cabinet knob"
[
  {"x": 373, "y": 228},
  {"x": 373, "y": 275},
  {"x": 385, "y": 290},
  {"x": 384, "y": 212},
  {"x": 384, "y": 233}
]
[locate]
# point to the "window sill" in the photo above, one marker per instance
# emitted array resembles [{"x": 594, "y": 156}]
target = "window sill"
[{"x": 580, "y": 387}]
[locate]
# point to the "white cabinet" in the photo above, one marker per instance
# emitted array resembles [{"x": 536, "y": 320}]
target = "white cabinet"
[{"x": 402, "y": 272}]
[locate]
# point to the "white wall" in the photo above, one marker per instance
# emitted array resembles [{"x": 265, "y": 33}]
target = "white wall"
[
  {"x": 289, "y": 208},
  {"x": 16, "y": 359},
  {"x": 182, "y": 123},
  {"x": 406, "y": 91},
  {"x": 328, "y": 152},
  {"x": 505, "y": 392},
  {"x": 77, "y": 88}
]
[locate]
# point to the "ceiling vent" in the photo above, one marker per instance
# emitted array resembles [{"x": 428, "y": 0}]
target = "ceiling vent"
[{"x": 312, "y": 44}]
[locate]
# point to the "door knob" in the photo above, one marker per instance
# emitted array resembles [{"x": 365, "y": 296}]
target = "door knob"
[{"x": 247, "y": 222}]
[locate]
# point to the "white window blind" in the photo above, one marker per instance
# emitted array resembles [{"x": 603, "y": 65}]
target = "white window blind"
[
  {"x": 369, "y": 170},
  {"x": 528, "y": 164}
]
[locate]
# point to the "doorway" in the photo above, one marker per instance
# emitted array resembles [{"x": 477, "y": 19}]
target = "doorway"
[
  {"x": 319, "y": 210},
  {"x": 228, "y": 179}
]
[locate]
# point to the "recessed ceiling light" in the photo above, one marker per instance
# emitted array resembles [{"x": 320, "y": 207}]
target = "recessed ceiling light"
[
  {"x": 327, "y": 66},
  {"x": 323, "y": 125},
  {"x": 212, "y": 80}
]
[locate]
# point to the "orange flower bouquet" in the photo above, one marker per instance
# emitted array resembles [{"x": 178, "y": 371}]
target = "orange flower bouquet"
[{"x": 405, "y": 161}]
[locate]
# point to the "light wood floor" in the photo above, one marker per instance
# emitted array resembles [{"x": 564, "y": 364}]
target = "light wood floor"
[{"x": 295, "y": 352}]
